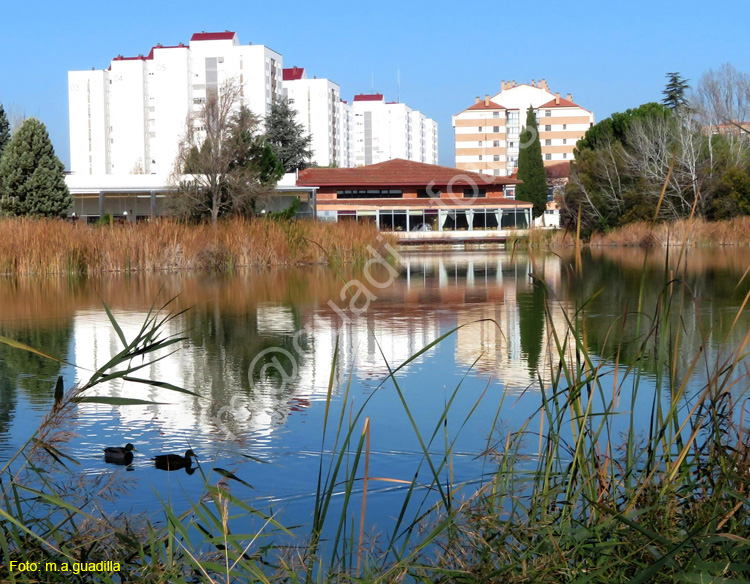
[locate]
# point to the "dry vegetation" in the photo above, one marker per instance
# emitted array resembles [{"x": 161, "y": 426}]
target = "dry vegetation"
[
  {"x": 56, "y": 247},
  {"x": 684, "y": 232}
]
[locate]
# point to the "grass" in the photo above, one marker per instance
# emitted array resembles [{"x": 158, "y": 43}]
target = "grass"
[
  {"x": 29, "y": 246},
  {"x": 613, "y": 479}
]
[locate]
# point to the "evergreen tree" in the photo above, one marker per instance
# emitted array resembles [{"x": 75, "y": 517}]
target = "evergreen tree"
[
  {"x": 287, "y": 137},
  {"x": 531, "y": 167},
  {"x": 4, "y": 129},
  {"x": 674, "y": 92},
  {"x": 31, "y": 175}
]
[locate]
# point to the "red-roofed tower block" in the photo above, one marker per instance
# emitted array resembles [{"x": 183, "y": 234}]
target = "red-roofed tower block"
[
  {"x": 139, "y": 105},
  {"x": 487, "y": 133}
]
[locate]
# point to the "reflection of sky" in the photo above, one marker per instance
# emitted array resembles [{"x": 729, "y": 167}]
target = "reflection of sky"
[{"x": 283, "y": 424}]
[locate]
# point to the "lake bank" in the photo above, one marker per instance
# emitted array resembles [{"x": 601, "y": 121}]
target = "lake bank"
[
  {"x": 682, "y": 232},
  {"x": 29, "y": 246}
]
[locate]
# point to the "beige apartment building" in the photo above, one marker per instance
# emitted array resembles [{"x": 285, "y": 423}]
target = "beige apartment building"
[{"x": 487, "y": 134}]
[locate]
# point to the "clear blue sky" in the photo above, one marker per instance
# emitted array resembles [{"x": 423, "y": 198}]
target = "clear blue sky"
[{"x": 610, "y": 56}]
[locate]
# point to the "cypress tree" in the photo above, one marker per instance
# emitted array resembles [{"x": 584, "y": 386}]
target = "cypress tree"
[
  {"x": 31, "y": 175},
  {"x": 4, "y": 129},
  {"x": 287, "y": 137},
  {"x": 531, "y": 167}
]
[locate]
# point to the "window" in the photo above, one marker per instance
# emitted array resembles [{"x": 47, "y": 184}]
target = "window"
[
  {"x": 480, "y": 143},
  {"x": 428, "y": 194},
  {"x": 480, "y": 157},
  {"x": 548, "y": 142},
  {"x": 496, "y": 144},
  {"x": 547, "y": 113},
  {"x": 479, "y": 128},
  {"x": 548, "y": 128},
  {"x": 565, "y": 155},
  {"x": 495, "y": 128},
  {"x": 475, "y": 192},
  {"x": 369, "y": 194},
  {"x": 496, "y": 158},
  {"x": 548, "y": 156},
  {"x": 565, "y": 126},
  {"x": 565, "y": 140},
  {"x": 495, "y": 114}
]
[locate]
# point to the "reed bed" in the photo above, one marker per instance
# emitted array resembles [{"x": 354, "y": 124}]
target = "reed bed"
[
  {"x": 684, "y": 232},
  {"x": 29, "y": 246}
]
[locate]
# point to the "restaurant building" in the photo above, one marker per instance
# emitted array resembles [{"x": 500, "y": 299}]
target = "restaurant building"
[{"x": 403, "y": 195}]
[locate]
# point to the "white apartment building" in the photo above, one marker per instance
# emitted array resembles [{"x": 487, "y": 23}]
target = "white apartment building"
[
  {"x": 129, "y": 118},
  {"x": 323, "y": 115},
  {"x": 487, "y": 134},
  {"x": 384, "y": 131}
]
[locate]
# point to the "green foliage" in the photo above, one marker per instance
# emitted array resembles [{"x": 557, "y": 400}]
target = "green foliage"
[
  {"x": 287, "y": 214},
  {"x": 287, "y": 137},
  {"x": 615, "y": 127},
  {"x": 4, "y": 129},
  {"x": 31, "y": 176},
  {"x": 674, "y": 92},
  {"x": 531, "y": 167}
]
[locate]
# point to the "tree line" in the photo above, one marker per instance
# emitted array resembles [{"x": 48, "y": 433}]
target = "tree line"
[
  {"x": 227, "y": 161},
  {"x": 687, "y": 155}
]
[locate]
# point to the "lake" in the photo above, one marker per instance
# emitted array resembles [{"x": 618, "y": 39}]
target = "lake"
[{"x": 262, "y": 347}]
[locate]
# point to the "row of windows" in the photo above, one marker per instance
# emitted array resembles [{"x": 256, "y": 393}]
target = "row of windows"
[
  {"x": 369, "y": 194},
  {"x": 466, "y": 193},
  {"x": 549, "y": 156}
]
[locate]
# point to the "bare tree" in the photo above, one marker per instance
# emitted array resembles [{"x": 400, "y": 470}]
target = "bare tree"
[
  {"x": 723, "y": 96},
  {"x": 217, "y": 170}
]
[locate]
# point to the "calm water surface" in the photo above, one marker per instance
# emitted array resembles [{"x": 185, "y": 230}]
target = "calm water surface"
[{"x": 260, "y": 347}]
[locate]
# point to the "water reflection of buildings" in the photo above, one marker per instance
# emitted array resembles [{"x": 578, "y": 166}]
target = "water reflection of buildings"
[{"x": 432, "y": 294}]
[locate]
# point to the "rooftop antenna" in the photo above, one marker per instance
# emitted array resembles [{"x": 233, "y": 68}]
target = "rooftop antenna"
[
  {"x": 372, "y": 82},
  {"x": 398, "y": 81}
]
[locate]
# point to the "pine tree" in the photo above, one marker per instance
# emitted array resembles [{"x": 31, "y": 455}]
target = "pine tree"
[
  {"x": 4, "y": 129},
  {"x": 531, "y": 167},
  {"x": 31, "y": 175},
  {"x": 287, "y": 137},
  {"x": 674, "y": 92}
]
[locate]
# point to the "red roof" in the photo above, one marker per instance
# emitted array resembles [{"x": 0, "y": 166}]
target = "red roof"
[
  {"x": 563, "y": 103},
  {"x": 369, "y": 97},
  {"x": 398, "y": 172},
  {"x": 481, "y": 106},
  {"x": 293, "y": 74},
  {"x": 213, "y": 36}
]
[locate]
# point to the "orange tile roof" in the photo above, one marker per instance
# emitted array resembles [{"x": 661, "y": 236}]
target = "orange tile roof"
[
  {"x": 398, "y": 172},
  {"x": 563, "y": 103},
  {"x": 482, "y": 106}
]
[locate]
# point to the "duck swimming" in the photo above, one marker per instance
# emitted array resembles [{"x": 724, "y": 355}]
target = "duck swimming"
[
  {"x": 119, "y": 454},
  {"x": 175, "y": 461}
]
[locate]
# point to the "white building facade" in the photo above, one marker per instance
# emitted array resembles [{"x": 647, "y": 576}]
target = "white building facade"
[
  {"x": 385, "y": 131},
  {"x": 129, "y": 118},
  {"x": 320, "y": 112},
  {"x": 487, "y": 134}
]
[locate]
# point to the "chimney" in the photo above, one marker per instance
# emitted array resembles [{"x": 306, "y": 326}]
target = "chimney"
[
  {"x": 570, "y": 97},
  {"x": 544, "y": 84},
  {"x": 557, "y": 98},
  {"x": 533, "y": 83},
  {"x": 514, "y": 83},
  {"x": 477, "y": 99},
  {"x": 486, "y": 100}
]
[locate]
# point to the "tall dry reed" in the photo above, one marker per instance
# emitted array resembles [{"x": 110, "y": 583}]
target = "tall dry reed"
[
  {"x": 29, "y": 246},
  {"x": 677, "y": 233}
]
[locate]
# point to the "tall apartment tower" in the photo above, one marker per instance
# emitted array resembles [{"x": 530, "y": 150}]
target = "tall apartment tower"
[
  {"x": 384, "y": 131},
  {"x": 129, "y": 118},
  {"x": 320, "y": 112},
  {"x": 488, "y": 132}
]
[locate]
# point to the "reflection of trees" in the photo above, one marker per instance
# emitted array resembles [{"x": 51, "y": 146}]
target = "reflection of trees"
[
  {"x": 703, "y": 303},
  {"x": 531, "y": 323},
  {"x": 30, "y": 373}
]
